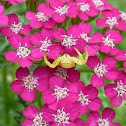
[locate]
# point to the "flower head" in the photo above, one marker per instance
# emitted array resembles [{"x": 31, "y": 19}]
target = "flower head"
[
  {"x": 26, "y": 84},
  {"x": 41, "y": 18},
  {"x": 106, "y": 68},
  {"x": 106, "y": 119},
  {"x": 15, "y": 27},
  {"x": 116, "y": 92}
]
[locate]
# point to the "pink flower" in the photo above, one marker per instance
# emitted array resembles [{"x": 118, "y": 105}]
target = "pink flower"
[
  {"x": 101, "y": 5},
  {"x": 87, "y": 98},
  {"x": 60, "y": 12},
  {"x": 34, "y": 117},
  {"x": 117, "y": 91},
  {"x": 111, "y": 38},
  {"x": 41, "y": 18},
  {"x": 95, "y": 119},
  {"x": 111, "y": 20},
  {"x": 123, "y": 16},
  {"x": 59, "y": 91},
  {"x": 70, "y": 40},
  {"x": 22, "y": 54},
  {"x": 121, "y": 56},
  {"x": 15, "y": 27},
  {"x": 64, "y": 115},
  {"x": 105, "y": 69},
  {"x": 91, "y": 41},
  {"x": 71, "y": 75},
  {"x": 43, "y": 43},
  {"x": 16, "y": 1},
  {"x": 26, "y": 84},
  {"x": 86, "y": 10},
  {"x": 3, "y": 18}
]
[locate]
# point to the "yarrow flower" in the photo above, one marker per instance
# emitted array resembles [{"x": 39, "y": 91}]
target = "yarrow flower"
[
  {"x": 117, "y": 91},
  {"x": 14, "y": 27},
  {"x": 26, "y": 83},
  {"x": 44, "y": 45},
  {"x": 60, "y": 12},
  {"x": 87, "y": 98},
  {"x": 61, "y": 31},
  {"x": 86, "y": 10},
  {"x": 111, "y": 20},
  {"x": 70, "y": 40},
  {"x": 106, "y": 68},
  {"x": 39, "y": 19},
  {"x": 91, "y": 41},
  {"x": 34, "y": 117},
  {"x": 71, "y": 75},
  {"x": 108, "y": 114},
  {"x": 59, "y": 91},
  {"x": 108, "y": 43},
  {"x": 65, "y": 114},
  {"x": 22, "y": 55}
]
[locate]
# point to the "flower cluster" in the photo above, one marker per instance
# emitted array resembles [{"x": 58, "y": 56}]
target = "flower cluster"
[{"x": 57, "y": 28}]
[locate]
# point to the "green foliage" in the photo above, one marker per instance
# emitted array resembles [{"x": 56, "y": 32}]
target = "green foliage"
[{"x": 11, "y": 106}]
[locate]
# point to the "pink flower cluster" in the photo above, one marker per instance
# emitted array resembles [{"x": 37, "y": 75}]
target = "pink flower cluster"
[{"x": 57, "y": 28}]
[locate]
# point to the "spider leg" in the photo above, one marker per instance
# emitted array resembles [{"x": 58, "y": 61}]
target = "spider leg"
[
  {"x": 80, "y": 60},
  {"x": 51, "y": 65}
]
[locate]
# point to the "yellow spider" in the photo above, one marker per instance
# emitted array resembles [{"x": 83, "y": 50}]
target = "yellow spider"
[{"x": 67, "y": 61}]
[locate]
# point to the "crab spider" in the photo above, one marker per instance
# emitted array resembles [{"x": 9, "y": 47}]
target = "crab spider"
[{"x": 67, "y": 61}]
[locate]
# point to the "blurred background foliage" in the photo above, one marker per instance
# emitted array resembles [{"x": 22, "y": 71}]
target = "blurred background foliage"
[{"x": 11, "y": 105}]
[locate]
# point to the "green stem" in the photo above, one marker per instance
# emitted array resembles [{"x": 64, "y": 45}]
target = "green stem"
[
  {"x": 5, "y": 93},
  {"x": 85, "y": 69},
  {"x": 39, "y": 99}
]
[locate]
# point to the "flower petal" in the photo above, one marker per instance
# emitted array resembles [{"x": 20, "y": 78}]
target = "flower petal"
[
  {"x": 116, "y": 101},
  {"x": 17, "y": 86},
  {"x": 93, "y": 61},
  {"x": 30, "y": 112},
  {"x": 28, "y": 96},
  {"x": 108, "y": 113},
  {"x": 97, "y": 81},
  {"x": 22, "y": 72},
  {"x": 110, "y": 91},
  {"x": 11, "y": 56}
]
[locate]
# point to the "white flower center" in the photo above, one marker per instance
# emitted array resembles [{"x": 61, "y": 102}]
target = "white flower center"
[
  {"x": 111, "y": 21},
  {"x": 98, "y": 3},
  {"x": 61, "y": 117},
  {"x": 68, "y": 41},
  {"x": 42, "y": 17},
  {"x": 108, "y": 41},
  {"x": 23, "y": 52},
  {"x": 121, "y": 88},
  {"x": 30, "y": 82},
  {"x": 16, "y": 27},
  {"x": 83, "y": 99},
  {"x": 103, "y": 122},
  {"x": 39, "y": 121},
  {"x": 100, "y": 70},
  {"x": 61, "y": 72},
  {"x": 62, "y": 10},
  {"x": 45, "y": 44},
  {"x": 84, "y": 7},
  {"x": 60, "y": 93},
  {"x": 85, "y": 37},
  {"x": 123, "y": 16}
]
